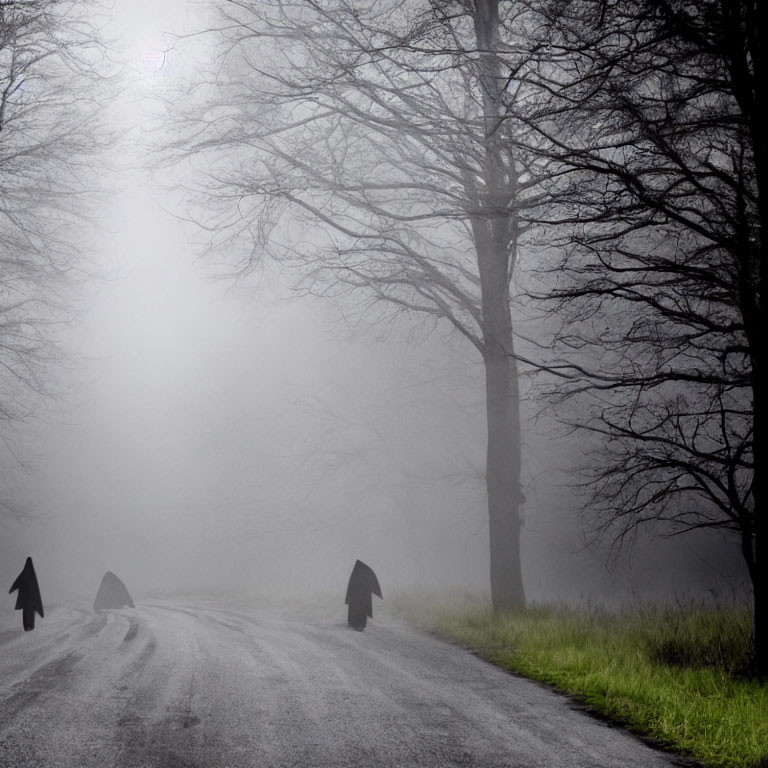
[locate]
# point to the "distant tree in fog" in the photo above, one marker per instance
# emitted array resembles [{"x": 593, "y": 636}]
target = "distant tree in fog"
[
  {"x": 49, "y": 127},
  {"x": 378, "y": 148},
  {"x": 662, "y": 281}
]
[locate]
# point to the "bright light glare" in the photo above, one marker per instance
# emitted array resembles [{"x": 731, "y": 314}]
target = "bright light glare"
[{"x": 153, "y": 60}]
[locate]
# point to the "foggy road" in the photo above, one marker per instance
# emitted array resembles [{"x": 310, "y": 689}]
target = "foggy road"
[{"x": 182, "y": 686}]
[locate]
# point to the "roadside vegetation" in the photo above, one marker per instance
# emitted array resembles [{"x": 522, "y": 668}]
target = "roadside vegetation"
[{"x": 676, "y": 675}]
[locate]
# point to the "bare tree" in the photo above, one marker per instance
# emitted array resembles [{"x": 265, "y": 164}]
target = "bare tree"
[
  {"x": 50, "y": 125},
  {"x": 378, "y": 149},
  {"x": 661, "y": 282}
]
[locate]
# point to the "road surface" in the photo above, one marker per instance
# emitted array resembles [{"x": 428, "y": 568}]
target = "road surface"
[{"x": 188, "y": 685}]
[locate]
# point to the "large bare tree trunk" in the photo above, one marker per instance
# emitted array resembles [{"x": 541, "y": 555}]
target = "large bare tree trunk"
[
  {"x": 758, "y": 20},
  {"x": 503, "y": 479},
  {"x": 760, "y": 575},
  {"x": 495, "y": 231},
  {"x": 755, "y": 318}
]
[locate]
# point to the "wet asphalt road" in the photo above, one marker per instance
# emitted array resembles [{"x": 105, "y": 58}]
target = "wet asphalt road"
[{"x": 180, "y": 685}]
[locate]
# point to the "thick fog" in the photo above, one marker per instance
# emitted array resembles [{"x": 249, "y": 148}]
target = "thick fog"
[{"x": 217, "y": 436}]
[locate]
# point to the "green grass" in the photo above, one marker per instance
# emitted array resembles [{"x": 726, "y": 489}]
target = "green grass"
[{"x": 674, "y": 675}]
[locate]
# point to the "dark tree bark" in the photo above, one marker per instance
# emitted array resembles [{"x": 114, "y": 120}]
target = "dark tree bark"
[
  {"x": 503, "y": 480},
  {"x": 746, "y": 37},
  {"x": 496, "y": 243}
]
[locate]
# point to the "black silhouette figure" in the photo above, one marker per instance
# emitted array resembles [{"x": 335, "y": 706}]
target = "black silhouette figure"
[
  {"x": 362, "y": 584},
  {"x": 112, "y": 594},
  {"x": 28, "y": 600}
]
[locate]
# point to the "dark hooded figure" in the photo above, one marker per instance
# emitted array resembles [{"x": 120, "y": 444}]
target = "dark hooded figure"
[
  {"x": 362, "y": 583},
  {"x": 28, "y": 600},
  {"x": 112, "y": 594}
]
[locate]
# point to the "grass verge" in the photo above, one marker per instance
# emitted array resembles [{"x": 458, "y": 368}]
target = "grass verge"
[{"x": 669, "y": 674}]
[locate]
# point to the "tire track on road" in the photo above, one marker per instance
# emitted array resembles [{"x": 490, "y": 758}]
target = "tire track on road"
[
  {"x": 65, "y": 712},
  {"x": 53, "y": 676}
]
